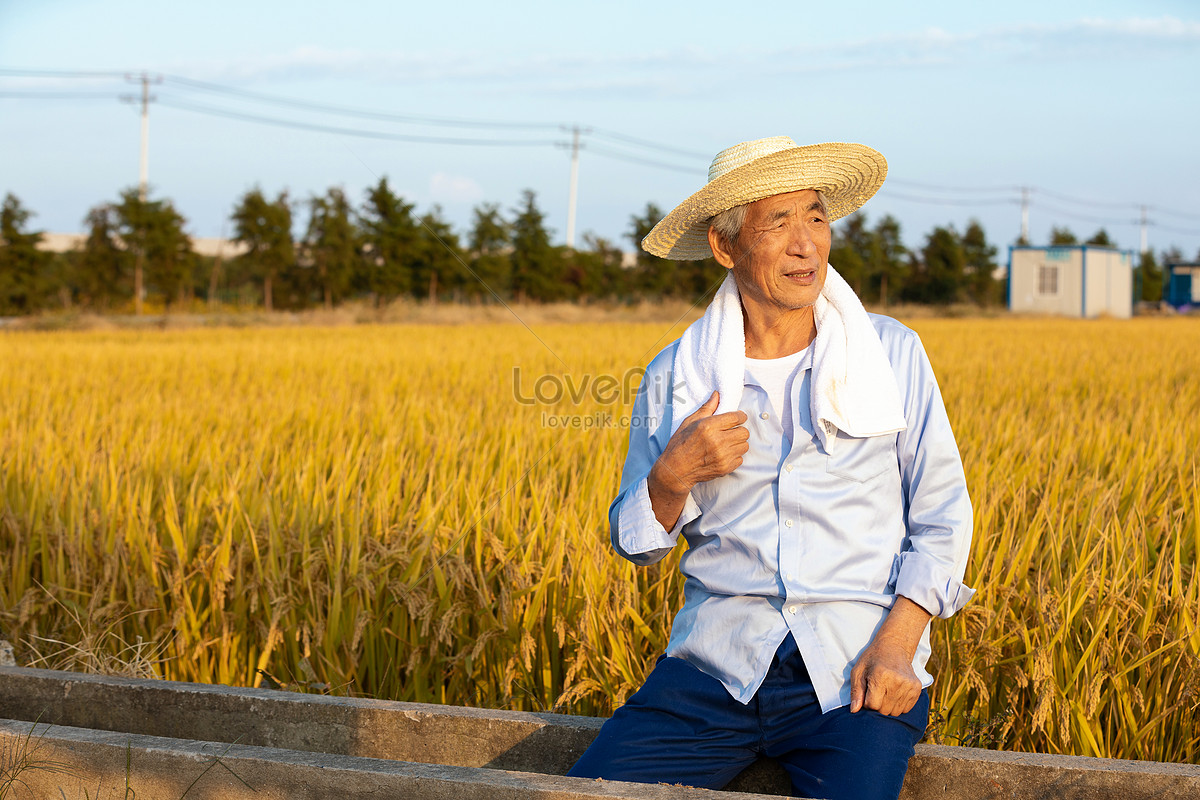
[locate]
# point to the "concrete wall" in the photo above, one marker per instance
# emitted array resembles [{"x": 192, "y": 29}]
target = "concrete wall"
[
  {"x": 1091, "y": 281},
  {"x": 76, "y": 763},
  {"x": 1108, "y": 283},
  {"x": 1026, "y": 295},
  {"x": 488, "y": 741}
]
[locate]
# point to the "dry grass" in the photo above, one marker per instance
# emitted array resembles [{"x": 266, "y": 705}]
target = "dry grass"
[
  {"x": 404, "y": 311},
  {"x": 366, "y": 507}
]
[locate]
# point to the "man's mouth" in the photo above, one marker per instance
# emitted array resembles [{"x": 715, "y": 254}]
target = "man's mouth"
[{"x": 802, "y": 275}]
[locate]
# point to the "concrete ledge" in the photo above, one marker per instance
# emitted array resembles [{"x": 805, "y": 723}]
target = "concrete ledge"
[
  {"x": 966, "y": 772},
  {"x": 508, "y": 740},
  {"x": 101, "y": 764},
  {"x": 432, "y": 734}
]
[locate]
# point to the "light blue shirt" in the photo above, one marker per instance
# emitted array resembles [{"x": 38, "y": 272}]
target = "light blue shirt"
[{"x": 796, "y": 540}]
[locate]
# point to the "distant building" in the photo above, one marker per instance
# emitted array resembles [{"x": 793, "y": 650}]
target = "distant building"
[
  {"x": 206, "y": 246},
  {"x": 1073, "y": 281},
  {"x": 1181, "y": 287}
]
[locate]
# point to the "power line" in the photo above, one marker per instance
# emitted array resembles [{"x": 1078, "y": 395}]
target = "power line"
[
  {"x": 53, "y": 73},
  {"x": 366, "y": 134},
  {"x": 942, "y": 201},
  {"x": 1169, "y": 212},
  {"x": 1065, "y": 198},
  {"x": 355, "y": 112},
  {"x": 1079, "y": 201},
  {"x": 1180, "y": 231},
  {"x": 942, "y": 188},
  {"x": 422, "y": 120},
  {"x": 59, "y": 94},
  {"x": 325, "y": 108},
  {"x": 647, "y": 144},
  {"x": 644, "y": 161},
  {"x": 1087, "y": 217}
]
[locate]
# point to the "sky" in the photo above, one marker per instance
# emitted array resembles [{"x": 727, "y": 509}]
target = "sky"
[{"x": 1090, "y": 106}]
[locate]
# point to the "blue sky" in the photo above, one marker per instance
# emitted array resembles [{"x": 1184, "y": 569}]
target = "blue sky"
[{"x": 1094, "y": 105}]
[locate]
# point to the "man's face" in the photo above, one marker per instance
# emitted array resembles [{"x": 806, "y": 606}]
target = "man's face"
[{"x": 780, "y": 259}]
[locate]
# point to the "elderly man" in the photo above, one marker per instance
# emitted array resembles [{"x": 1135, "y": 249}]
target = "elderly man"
[{"x": 802, "y": 448}]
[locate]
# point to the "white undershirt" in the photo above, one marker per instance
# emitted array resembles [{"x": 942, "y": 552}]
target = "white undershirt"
[{"x": 775, "y": 376}]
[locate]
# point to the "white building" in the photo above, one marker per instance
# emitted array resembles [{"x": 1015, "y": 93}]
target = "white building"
[
  {"x": 1071, "y": 281},
  {"x": 202, "y": 246}
]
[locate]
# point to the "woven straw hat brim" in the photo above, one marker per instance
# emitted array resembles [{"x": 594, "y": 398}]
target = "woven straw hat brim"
[{"x": 848, "y": 174}]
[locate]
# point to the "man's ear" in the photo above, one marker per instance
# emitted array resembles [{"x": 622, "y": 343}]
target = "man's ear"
[{"x": 720, "y": 248}]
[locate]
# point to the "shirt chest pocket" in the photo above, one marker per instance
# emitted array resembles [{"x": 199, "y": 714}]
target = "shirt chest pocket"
[{"x": 862, "y": 460}]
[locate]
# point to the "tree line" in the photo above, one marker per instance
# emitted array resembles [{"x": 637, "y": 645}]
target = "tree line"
[{"x": 382, "y": 249}]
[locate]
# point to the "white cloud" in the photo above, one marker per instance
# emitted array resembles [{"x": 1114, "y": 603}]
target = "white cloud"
[
  {"x": 680, "y": 70},
  {"x": 445, "y": 188},
  {"x": 1080, "y": 39}
]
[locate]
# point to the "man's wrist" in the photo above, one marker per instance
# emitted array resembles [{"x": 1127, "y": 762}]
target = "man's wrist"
[
  {"x": 904, "y": 626},
  {"x": 662, "y": 480}
]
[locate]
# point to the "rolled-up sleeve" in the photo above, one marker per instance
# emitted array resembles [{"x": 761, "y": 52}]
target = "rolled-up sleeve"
[
  {"x": 636, "y": 533},
  {"x": 938, "y": 513}
]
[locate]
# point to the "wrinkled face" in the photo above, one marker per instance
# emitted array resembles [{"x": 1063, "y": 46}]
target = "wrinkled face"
[{"x": 781, "y": 256}]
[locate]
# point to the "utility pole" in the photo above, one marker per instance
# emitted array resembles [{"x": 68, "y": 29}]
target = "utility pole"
[
  {"x": 1145, "y": 222},
  {"x": 143, "y": 172},
  {"x": 1025, "y": 214},
  {"x": 573, "y": 191},
  {"x": 146, "y": 98}
]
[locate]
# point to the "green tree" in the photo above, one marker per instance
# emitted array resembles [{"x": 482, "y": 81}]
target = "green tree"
[
  {"x": 490, "y": 240},
  {"x": 265, "y": 228},
  {"x": 656, "y": 277},
  {"x": 886, "y": 265},
  {"x": 1062, "y": 237},
  {"x": 390, "y": 240},
  {"x": 940, "y": 272},
  {"x": 980, "y": 261},
  {"x": 438, "y": 263},
  {"x": 850, "y": 250},
  {"x": 331, "y": 245},
  {"x": 1150, "y": 277},
  {"x": 698, "y": 279},
  {"x": 536, "y": 267},
  {"x": 597, "y": 269},
  {"x": 1101, "y": 239},
  {"x": 24, "y": 280},
  {"x": 152, "y": 231},
  {"x": 102, "y": 269}
]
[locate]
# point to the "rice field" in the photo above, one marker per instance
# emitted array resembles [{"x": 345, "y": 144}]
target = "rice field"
[{"x": 391, "y": 511}]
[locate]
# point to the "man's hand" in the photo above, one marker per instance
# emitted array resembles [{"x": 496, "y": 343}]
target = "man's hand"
[
  {"x": 883, "y": 679},
  {"x": 705, "y": 446}
]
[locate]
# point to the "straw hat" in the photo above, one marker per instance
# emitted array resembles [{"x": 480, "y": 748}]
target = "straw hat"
[{"x": 848, "y": 175}]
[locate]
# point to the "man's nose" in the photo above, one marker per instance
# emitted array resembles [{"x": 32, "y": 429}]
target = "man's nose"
[{"x": 802, "y": 243}]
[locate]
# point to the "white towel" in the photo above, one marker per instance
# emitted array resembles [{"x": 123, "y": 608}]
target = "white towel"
[{"x": 853, "y": 387}]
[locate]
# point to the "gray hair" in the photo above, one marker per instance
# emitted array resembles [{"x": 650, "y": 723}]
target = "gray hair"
[{"x": 728, "y": 224}]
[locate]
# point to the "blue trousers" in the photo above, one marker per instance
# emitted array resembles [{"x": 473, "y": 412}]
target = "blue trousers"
[{"x": 682, "y": 726}]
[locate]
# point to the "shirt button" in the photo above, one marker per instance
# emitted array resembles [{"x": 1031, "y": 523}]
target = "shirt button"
[
  {"x": 787, "y": 522},
  {"x": 792, "y": 610},
  {"x": 788, "y": 468},
  {"x": 765, "y": 415}
]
